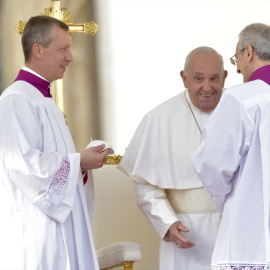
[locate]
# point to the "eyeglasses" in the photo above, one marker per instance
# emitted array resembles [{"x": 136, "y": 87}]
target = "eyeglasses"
[{"x": 234, "y": 59}]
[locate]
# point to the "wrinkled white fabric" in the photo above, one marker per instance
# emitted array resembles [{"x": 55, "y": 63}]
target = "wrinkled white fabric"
[
  {"x": 158, "y": 158},
  {"x": 233, "y": 164},
  {"x": 44, "y": 216},
  {"x": 160, "y": 148}
]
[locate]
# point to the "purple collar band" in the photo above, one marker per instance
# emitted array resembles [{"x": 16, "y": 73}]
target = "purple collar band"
[
  {"x": 261, "y": 73},
  {"x": 42, "y": 85}
]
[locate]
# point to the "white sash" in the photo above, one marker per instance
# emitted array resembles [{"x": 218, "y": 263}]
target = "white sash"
[{"x": 190, "y": 201}]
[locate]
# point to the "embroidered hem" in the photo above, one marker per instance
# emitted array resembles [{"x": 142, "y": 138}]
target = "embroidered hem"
[
  {"x": 242, "y": 266},
  {"x": 57, "y": 189}
]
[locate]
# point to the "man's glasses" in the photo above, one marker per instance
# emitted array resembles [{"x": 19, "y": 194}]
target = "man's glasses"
[{"x": 234, "y": 59}]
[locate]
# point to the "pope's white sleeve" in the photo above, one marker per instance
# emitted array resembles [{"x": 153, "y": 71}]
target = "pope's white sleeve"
[
  {"x": 155, "y": 206},
  {"x": 47, "y": 179},
  {"x": 226, "y": 139}
]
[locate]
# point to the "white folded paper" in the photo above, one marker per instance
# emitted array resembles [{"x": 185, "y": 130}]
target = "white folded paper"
[{"x": 98, "y": 142}]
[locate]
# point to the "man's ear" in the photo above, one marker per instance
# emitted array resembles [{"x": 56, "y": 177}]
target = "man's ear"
[
  {"x": 250, "y": 52},
  {"x": 37, "y": 50},
  {"x": 225, "y": 74},
  {"x": 184, "y": 78}
]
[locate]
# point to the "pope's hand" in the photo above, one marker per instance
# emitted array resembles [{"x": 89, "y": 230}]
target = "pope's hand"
[
  {"x": 174, "y": 234},
  {"x": 92, "y": 158}
]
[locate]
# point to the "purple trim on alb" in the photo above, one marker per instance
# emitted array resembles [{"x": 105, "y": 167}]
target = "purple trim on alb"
[
  {"x": 42, "y": 85},
  {"x": 262, "y": 73}
]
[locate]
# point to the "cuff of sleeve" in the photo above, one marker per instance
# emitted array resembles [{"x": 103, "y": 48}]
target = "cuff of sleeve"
[
  {"x": 218, "y": 200},
  {"x": 63, "y": 211},
  {"x": 164, "y": 235}
]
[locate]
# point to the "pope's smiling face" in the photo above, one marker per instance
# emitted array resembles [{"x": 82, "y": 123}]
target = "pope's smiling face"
[{"x": 204, "y": 80}]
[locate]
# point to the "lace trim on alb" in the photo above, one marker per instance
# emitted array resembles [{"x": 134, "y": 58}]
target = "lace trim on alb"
[
  {"x": 218, "y": 199},
  {"x": 57, "y": 189},
  {"x": 242, "y": 266}
]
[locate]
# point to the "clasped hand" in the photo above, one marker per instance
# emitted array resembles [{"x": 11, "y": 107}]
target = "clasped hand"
[
  {"x": 92, "y": 158},
  {"x": 174, "y": 234}
]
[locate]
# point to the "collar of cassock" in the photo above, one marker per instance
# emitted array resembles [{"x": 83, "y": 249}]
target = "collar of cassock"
[
  {"x": 41, "y": 84},
  {"x": 261, "y": 73}
]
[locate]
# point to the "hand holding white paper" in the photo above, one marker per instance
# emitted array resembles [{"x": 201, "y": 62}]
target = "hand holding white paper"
[{"x": 98, "y": 142}]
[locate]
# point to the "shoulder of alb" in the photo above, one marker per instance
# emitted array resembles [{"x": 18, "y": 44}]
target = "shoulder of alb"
[{"x": 22, "y": 88}]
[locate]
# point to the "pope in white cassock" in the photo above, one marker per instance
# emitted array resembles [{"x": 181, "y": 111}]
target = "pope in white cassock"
[
  {"x": 233, "y": 160},
  {"x": 169, "y": 193},
  {"x": 44, "y": 214}
]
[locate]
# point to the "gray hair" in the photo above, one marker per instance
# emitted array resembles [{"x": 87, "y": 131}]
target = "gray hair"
[
  {"x": 256, "y": 35},
  {"x": 38, "y": 30},
  {"x": 202, "y": 49}
]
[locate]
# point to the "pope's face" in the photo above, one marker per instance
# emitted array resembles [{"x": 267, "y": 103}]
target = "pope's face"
[
  {"x": 57, "y": 56},
  {"x": 204, "y": 80}
]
